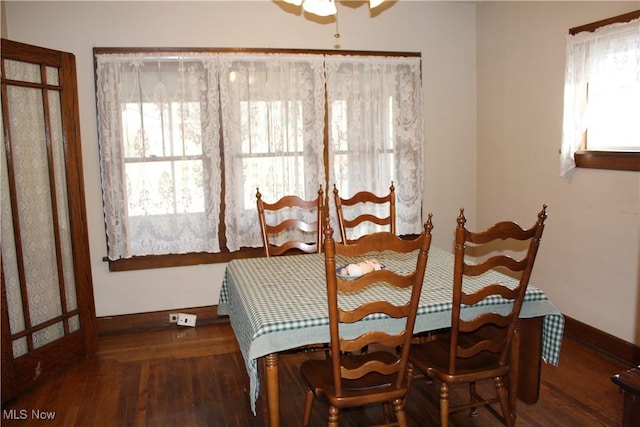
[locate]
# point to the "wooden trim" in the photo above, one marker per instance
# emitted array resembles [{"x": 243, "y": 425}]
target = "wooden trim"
[
  {"x": 601, "y": 341},
  {"x": 626, "y": 17},
  {"x": 180, "y": 260},
  {"x": 328, "y": 52},
  {"x": 615, "y": 160},
  {"x": 138, "y": 322},
  {"x": 574, "y": 329}
]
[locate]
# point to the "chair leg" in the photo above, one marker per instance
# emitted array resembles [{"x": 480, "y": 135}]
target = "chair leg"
[
  {"x": 308, "y": 404},
  {"x": 411, "y": 372},
  {"x": 444, "y": 405},
  {"x": 504, "y": 401},
  {"x": 333, "y": 417},
  {"x": 473, "y": 396},
  {"x": 398, "y": 409},
  {"x": 386, "y": 412}
]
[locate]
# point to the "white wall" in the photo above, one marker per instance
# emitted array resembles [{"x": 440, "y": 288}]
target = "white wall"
[
  {"x": 589, "y": 259},
  {"x": 588, "y": 262},
  {"x": 443, "y": 32},
  {"x": 3, "y": 21}
]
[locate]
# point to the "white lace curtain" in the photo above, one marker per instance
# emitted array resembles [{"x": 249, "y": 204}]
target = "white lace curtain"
[
  {"x": 609, "y": 54},
  {"x": 159, "y": 149},
  {"x": 376, "y": 134},
  {"x": 160, "y": 120},
  {"x": 273, "y": 124}
]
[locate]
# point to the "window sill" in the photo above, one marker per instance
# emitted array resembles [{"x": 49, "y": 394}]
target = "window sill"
[
  {"x": 180, "y": 260},
  {"x": 614, "y": 160}
]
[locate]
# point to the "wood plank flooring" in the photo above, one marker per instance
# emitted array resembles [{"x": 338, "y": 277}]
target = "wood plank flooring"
[{"x": 196, "y": 377}]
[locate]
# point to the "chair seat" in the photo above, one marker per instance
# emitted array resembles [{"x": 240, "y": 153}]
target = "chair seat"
[
  {"x": 432, "y": 358},
  {"x": 317, "y": 373}
]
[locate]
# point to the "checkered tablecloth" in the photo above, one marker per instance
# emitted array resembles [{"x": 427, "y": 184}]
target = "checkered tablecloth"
[{"x": 280, "y": 303}]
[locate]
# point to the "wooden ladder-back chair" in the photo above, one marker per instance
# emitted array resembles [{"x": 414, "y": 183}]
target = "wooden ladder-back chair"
[
  {"x": 485, "y": 347},
  {"x": 350, "y": 377},
  {"x": 292, "y": 222},
  {"x": 347, "y": 224}
]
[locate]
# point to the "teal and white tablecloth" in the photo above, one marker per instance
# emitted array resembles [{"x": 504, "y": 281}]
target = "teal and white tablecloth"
[{"x": 280, "y": 303}]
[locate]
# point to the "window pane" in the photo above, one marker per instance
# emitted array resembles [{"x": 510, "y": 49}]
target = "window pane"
[
  {"x": 274, "y": 175},
  {"x": 267, "y": 127},
  {"x": 18, "y": 70},
  {"x": 348, "y": 158},
  {"x": 167, "y": 130},
  {"x": 165, "y": 187},
  {"x": 186, "y": 126},
  {"x": 132, "y": 130},
  {"x": 613, "y": 96},
  {"x": 339, "y": 119},
  {"x": 613, "y": 119}
]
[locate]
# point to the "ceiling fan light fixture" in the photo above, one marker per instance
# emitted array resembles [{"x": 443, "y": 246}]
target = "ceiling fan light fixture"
[
  {"x": 325, "y": 7},
  {"x": 320, "y": 7}
]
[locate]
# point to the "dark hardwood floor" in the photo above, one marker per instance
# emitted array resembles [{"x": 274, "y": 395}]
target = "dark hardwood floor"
[{"x": 196, "y": 377}]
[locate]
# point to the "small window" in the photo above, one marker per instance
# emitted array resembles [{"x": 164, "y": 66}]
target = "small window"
[{"x": 602, "y": 95}]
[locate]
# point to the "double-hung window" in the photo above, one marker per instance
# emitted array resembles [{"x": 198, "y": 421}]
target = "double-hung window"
[
  {"x": 376, "y": 133},
  {"x": 272, "y": 125},
  {"x": 160, "y": 165}
]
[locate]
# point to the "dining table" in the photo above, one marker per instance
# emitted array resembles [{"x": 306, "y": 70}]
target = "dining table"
[{"x": 276, "y": 304}]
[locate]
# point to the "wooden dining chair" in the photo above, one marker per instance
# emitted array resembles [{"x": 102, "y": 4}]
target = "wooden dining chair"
[
  {"x": 349, "y": 377},
  {"x": 348, "y": 225},
  {"x": 486, "y": 346},
  {"x": 291, "y": 223}
]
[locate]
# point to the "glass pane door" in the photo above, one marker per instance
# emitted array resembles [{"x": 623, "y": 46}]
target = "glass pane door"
[{"x": 39, "y": 260}]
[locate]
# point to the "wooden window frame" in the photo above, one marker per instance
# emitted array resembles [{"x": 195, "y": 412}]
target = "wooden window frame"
[{"x": 601, "y": 159}]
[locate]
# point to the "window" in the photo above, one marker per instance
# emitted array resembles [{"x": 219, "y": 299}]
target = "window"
[
  {"x": 380, "y": 140},
  {"x": 602, "y": 95},
  {"x": 186, "y": 138},
  {"x": 273, "y": 130},
  {"x": 159, "y": 139}
]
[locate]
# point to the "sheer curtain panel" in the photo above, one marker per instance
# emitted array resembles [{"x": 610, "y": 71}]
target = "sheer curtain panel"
[
  {"x": 159, "y": 152},
  {"x": 272, "y": 109},
  {"x": 376, "y": 132}
]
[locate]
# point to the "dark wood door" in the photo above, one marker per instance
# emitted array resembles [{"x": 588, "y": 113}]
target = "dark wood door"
[{"x": 48, "y": 312}]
